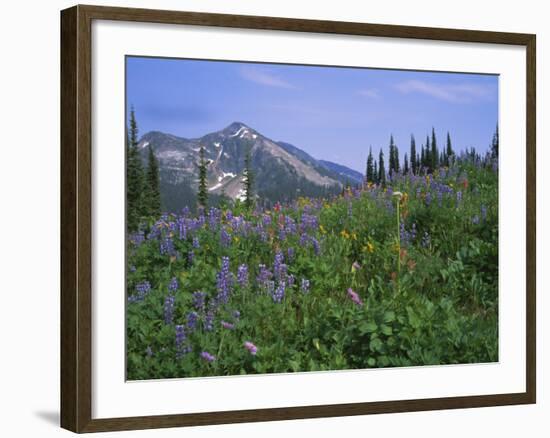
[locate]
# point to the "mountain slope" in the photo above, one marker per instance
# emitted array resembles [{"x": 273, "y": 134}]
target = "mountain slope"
[
  {"x": 282, "y": 171},
  {"x": 344, "y": 173}
]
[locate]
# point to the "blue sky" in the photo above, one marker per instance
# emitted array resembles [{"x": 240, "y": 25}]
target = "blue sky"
[{"x": 330, "y": 112}]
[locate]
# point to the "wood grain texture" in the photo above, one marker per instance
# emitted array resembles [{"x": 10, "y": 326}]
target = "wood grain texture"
[{"x": 76, "y": 219}]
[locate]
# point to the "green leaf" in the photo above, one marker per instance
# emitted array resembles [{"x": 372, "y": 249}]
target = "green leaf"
[
  {"x": 387, "y": 330},
  {"x": 368, "y": 327}
]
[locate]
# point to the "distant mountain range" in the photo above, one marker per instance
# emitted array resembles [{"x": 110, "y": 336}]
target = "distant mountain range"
[{"x": 282, "y": 171}]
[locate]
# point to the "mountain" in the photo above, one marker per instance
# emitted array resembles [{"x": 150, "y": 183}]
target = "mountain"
[
  {"x": 345, "y": 173},
  {"x": 282, "y": 171}
]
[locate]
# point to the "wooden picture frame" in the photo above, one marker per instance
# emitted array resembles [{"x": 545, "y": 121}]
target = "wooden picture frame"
[{"x": 76, "y": 217}]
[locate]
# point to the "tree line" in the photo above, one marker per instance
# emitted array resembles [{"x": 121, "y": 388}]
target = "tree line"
[
  {"x": 142, "y": 182},
  {"x": 426, "y": 161}
]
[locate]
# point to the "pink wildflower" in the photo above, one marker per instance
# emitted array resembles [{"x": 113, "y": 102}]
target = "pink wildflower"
[
  {"x": 251, "y": 347},
  {"x": 354, "y": 297}
]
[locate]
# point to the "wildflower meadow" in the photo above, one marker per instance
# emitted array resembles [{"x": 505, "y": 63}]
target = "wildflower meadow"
[{"x": 390, "y": 274}]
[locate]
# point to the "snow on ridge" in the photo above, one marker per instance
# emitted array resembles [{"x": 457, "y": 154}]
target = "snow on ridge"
[
  {"x": 214, "y": 187},
  {"x": 240, "y": 131},
  {"x": 230, "y": 174},
  {"x": 144, "y": 145},
  {"x": 217, "y": 144}
]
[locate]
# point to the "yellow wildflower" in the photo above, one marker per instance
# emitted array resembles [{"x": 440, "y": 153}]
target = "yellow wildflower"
[
  {"x": 344, "y": 234},
  {"x": 322, "y": 229},
  {"x": 370, "y": 247}
]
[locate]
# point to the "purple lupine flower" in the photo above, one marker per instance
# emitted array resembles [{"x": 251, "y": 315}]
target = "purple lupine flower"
[
  {"x": 236, "y": 315},
  {"x": 242, "y": 275},
  {"x": 459, "y": 196},
  {"x": 132, "y": 268},
  {"x": 209, "y": 321},
  {"x": 224, "y": 281},
  {"x": 207, "y": 356},
  {"x": 196, "y": 243},
  {"x": 263, "y": 276},
  {"x": 167, "y": 246},
  {"x": 173, "y": 286},
  {"x": 290, "y": 253},
  {"x": 428, "y": 198},
  {"x": 282, "y": 235},
  {"x": 290, "y": 280},
  {"x": 225, "y": 238},
  {"x": 181, "y": 347},
  {"x": 143, "y": 288},
  {"x": 266, "y": 220},
  {"x": 475, "y": 220},
  {"x": 278, "y": 265},
  {"x": 190, "y": 257},
  {"x": 251, "y": 347},
  {"x": 227, "y": 325},
  {"x": 149, "y": 351},
  {"x": 316, "y": 246},
  {"x": 198, "y": 300},
  {"x": 279, "y": 293},
  {"x": 354, "y": 297},
  {"x": 137, "y": 238},
  {"x": 304, "y": 286},
  {"x": 484, "y": 212},
  {"x": 169, "y": 302},
  {"x": 192, "y": 319}
]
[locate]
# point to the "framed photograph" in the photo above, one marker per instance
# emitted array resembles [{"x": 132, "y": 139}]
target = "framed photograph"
[{"x": 268, "y": 218}]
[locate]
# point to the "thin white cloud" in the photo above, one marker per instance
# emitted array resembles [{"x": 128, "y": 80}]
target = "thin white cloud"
[
  {"x": 371, "y": 93},
  {"x": 262, "y": 77},
  {"x": 455, "y": 93}
]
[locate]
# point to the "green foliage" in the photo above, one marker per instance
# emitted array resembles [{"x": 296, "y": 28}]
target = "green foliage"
[
  {"x": 152, "y": 186},
  {"x": 441, "y": 307},
  {"x": 134, "y": 177}
]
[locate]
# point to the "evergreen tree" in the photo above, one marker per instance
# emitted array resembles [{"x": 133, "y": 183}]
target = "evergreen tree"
[
  {"x": 391, "y": 164},
  {"x": 375, "y": 173},
  {"x": 449, "y": 151},
  {"x": 435, "y": 153},
  {"x": 152, "y": 186},
  {"x": 494, "y": 144},
  {"x": 370, "y": 167},
  {"x": 414, "y": 164},
  {"x": 134, "y": 177},
  {"x": 202, "y": 193},
  {"x": 406, "y": 165},
  {"x": 418, "y": 163},
  {"x": 248, "y": 181},
  {"x": 381, "y": 169},
  {"x": 396, "y": 159}
]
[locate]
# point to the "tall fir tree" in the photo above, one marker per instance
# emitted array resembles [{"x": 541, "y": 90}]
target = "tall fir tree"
[
  {"x": 449, "y": 151},
  {"x": 397, "y": 168},
  {"x": 494, "y": 144},
  {"x": 152, "y": 185},
  {"x": 370, "y": 167},
  {"x": 414, "y": 167},
  {"x": 391, "y": 158},
  {"x": 375, "y": 173},
  {"x": 405, "y": 165},
  {"x": 435, "y": 152},
  {"x": 134, "y": 177},
  {"x": 381, "y": 169},
  {"x": 202, "y": 192},
  {"x": 418, "y": 163},
  {"x": 248, "y": 181}
]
